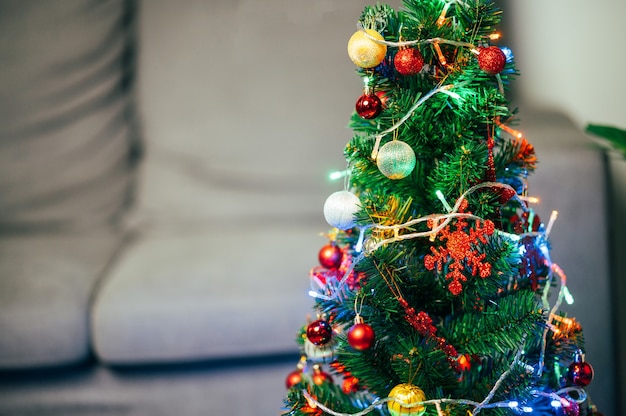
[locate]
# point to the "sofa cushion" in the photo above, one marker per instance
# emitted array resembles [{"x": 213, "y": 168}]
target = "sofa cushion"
[
  {"x": 46, "y": 283},
  {"x": 232, "y": 184},
  {"x": 67, "y": 126},
  {"x": 207, "y": 292}
]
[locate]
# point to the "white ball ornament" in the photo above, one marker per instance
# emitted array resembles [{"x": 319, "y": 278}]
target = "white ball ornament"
[
  {"x": 340, "y": 209},
  {"x": 396, "y": 159},
  {"x": 320, "y": 353}
]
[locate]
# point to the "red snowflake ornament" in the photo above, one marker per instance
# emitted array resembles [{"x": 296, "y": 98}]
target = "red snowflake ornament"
[{"x": 459, "y": 251}]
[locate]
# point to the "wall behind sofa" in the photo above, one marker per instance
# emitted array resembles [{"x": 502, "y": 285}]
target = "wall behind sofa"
[{"x": 570, "y": 53}]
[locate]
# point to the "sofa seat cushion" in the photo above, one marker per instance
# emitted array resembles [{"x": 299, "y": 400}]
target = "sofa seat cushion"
[
  {"x": 46, "y": 283},
  {"x": 219, "y": 291}
]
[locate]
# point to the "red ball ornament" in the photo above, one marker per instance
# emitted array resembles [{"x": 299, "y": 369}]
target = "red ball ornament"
[
  {"x": 384, "y": 99},
  {"x": 580, "y": 373},
  {"x": 319, "y": 332},
  {"x": 408, "y": 61},
  {"x": 361, "y": 336},
  {"x": 293, "y": 378},
  {"x": 368, "y": 106},
  {"x": 491, "y": 59},
  {"x": 330, "y": 256},
  {"x": 320, "y": 377}
]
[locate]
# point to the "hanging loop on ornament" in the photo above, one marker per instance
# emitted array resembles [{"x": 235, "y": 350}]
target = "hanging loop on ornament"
[
  {"x": 579, "y": 356},
  {"x": 358, "y": 319},
  {"x": 346, "y": 179}
]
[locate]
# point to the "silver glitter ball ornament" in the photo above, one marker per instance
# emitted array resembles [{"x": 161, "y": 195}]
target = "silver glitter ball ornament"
[{"x": 396, "y": 159}]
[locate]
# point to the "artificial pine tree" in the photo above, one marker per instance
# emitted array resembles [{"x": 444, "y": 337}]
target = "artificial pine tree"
[{"x": 436, "y": 294}]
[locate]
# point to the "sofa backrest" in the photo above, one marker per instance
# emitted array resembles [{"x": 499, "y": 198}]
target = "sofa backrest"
[{"x": 68, "y": 131}]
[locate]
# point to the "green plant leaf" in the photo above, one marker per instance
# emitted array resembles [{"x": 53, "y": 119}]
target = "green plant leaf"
[{"x": 616, "y": 136}]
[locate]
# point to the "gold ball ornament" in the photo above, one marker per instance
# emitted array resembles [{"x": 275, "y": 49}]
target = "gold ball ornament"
[
  {"x": 407, "y": 394},
  {"x": 365, "y": 52}
]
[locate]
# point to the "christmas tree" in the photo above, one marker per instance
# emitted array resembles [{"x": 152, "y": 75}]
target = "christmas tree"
[{"x": 435, "y": 293}]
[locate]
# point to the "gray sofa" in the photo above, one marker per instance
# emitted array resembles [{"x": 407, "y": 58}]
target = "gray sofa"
[{"x": 163, "y": 178}]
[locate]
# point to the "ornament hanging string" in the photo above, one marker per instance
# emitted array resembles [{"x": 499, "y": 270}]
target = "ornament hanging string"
[{"x": 358, "y": 311}]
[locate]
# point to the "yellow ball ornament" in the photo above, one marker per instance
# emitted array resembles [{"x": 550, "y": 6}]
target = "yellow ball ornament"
[
  {"x": 365, "y": 52},
  {"x": 408, "y": 394}
]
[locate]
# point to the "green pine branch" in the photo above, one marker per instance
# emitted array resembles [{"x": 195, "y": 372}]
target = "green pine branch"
[{"x": 500, "y": 327}]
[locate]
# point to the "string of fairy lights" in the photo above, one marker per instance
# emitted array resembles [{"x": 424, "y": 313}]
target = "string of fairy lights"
[
  {"x": 348, "y": 205},
  {"x": 329, "y": 292}
]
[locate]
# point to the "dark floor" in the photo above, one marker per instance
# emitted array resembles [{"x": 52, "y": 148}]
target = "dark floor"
[{"x": 240, "y": 387}]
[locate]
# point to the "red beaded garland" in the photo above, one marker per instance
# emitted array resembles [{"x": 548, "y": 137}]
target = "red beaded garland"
[
  {"x": 369, "y": 106},
  {"x": 491, "y": 60},
  {"x": 361, "y": 336},
  {"x": 319, "y": 332},
  {"x": 408, "y": 61},
  {"x": 330, "y": 256}
]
